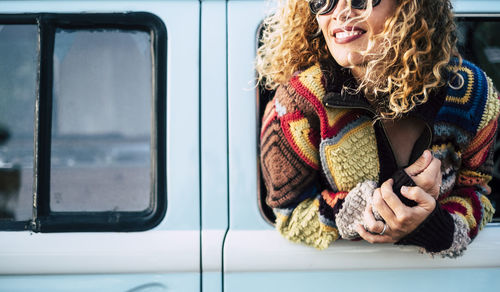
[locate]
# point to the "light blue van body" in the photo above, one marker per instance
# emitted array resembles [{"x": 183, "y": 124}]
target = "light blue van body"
[{"x": 213, "y": 236}]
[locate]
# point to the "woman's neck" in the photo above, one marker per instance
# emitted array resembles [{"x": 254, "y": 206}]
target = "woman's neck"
[
  {"x": 403, "y": 134},
  {"x": 358, "y": 73}
]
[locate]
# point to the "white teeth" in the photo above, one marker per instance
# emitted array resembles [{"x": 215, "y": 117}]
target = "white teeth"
[{"x": 346, "y": 34}]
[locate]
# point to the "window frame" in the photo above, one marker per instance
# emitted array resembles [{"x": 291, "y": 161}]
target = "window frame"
[{"x": 45, "y": 220}]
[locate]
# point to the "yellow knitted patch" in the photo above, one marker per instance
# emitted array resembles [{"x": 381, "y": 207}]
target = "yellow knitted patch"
[
  {"x": 492, "y": 107},
  {"x": 334, "y": 115},
  {"x": 311, "y": 79},
  {"x": 465, "y": 98},
  {"x": 484, "y": 178},
  {"x": 327, "y": 228},
  {"x": 443, "y": 147},
  {"x": 303, "y": 226},
  {"x": 281, "y": 221},
  {"x": 354, "y": 158},
  {"x": 488, "y": 211},
  {"x": 300, "y": 130},
  {"x": 467, "y": 204}
]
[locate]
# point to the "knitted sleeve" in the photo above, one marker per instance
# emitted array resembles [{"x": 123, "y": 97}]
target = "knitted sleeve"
[
  {"x": 467, "y": 203},
  {"x": 290, "y": 166},
  {"x": 289, "y": 149},
  {"x": 303, "y": 143},
  {"x": 464, "y": 210},
  {"x": 465, "y": 187}
]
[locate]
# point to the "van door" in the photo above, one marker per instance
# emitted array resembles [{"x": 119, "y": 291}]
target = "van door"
[
  {"x": 256, "y": 258},
  {"x": 99, "y": 146}
]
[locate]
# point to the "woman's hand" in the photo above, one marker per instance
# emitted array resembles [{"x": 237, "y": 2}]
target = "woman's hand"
[
  {"x": 400, "y": 220},
  {"x": 426, "y": 173}
]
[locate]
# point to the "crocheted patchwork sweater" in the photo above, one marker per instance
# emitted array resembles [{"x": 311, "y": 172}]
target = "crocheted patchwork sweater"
[{"x": 323, "y": 153}]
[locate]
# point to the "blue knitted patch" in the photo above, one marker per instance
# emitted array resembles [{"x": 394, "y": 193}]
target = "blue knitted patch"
[{"x": 465, "y": 106}]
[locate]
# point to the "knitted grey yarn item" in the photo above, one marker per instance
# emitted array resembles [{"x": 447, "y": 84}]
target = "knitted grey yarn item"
[{"x": 351, "y": 213}]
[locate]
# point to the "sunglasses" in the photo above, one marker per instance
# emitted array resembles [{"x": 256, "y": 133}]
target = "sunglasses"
[{"x": 322, "y": 7}]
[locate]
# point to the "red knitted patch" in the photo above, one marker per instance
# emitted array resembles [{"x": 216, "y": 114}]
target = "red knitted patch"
[
  {"x": 470, "y": 193},
  {"x": 326, "y": 130},
  {"x": 454, "y": 207},
  {"x": 314, "y": 100},
  {"x": 331, "y": 198},
  {"x": 478, "y": 152},
  {"x": 477, "y": 208},
  {"x": 469, "y": 181},
  {"x": 445, "y": 195},
  {"x": 314, "y": 137}
]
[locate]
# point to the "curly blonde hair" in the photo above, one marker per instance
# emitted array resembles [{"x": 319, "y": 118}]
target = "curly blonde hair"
[{"x": 416, "y": 44}]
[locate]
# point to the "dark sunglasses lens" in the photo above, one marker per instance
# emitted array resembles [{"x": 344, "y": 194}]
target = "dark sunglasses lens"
[
  {"x": 326, "y": 6},
  {"x": 361, "y": 4},
  {"x": 321, "y": 6}
]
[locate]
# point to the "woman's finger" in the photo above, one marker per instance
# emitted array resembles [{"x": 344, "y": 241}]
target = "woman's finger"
[
  {"x": 420, "y": 164},
  {"x": 418, "y": 195},
  {"x": 391, "y": 198},
  {"x": 380, "y": 205},
  {"x": 373, "y": 238},
  {"x": 430, "y": 178},
  {"x": 438, "y": 179},
  {"x": 434, "y": 166},
  {"x": 371, "y": 224}
]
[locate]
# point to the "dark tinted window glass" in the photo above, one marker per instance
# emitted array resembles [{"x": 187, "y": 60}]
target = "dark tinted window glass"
[
  {"x": 18, "y": 71},
  {"x": 479, "y": 43},
  {"x": 101, "y": 127}
]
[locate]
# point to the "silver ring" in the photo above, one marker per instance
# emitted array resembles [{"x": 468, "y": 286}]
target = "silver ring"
[{"x": 383, "y": 230}]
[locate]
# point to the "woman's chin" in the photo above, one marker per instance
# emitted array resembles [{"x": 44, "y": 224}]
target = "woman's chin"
[{"x": 349, "y": 60}]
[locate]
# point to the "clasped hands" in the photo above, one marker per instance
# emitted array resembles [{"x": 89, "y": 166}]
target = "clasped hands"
[{"x": 401, "y": 220}]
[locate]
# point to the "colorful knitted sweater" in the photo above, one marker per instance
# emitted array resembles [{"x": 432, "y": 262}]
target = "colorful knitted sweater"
[{"x": 323, "y": 153}]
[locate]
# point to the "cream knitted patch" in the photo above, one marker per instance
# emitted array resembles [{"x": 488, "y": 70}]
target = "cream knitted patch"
[
  {"x": 351, "y": 213},
  {"x": 492, "y": 107}
]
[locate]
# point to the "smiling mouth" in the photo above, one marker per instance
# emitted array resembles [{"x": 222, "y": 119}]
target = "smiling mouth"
[{"x": 343, "y": 36}]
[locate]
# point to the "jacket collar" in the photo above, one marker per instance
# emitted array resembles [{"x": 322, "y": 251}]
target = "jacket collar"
[{"x": 339, "y": 84}]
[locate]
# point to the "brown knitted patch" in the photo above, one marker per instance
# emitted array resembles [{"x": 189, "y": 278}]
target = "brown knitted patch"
[
  {"x": 285, "y": 174},
  {"x": 293, "y": 101}
]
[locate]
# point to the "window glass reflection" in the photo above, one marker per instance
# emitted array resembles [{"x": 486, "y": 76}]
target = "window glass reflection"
[
  {"x": 18, "y": 71},
  {"x": 101, "y": 127}
]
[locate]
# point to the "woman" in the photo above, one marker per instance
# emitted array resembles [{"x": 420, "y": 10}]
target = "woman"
[{"x": 378, "y": 129}]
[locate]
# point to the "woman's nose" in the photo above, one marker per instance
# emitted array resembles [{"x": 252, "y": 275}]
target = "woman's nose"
[{"x": 341, "y": 11}]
